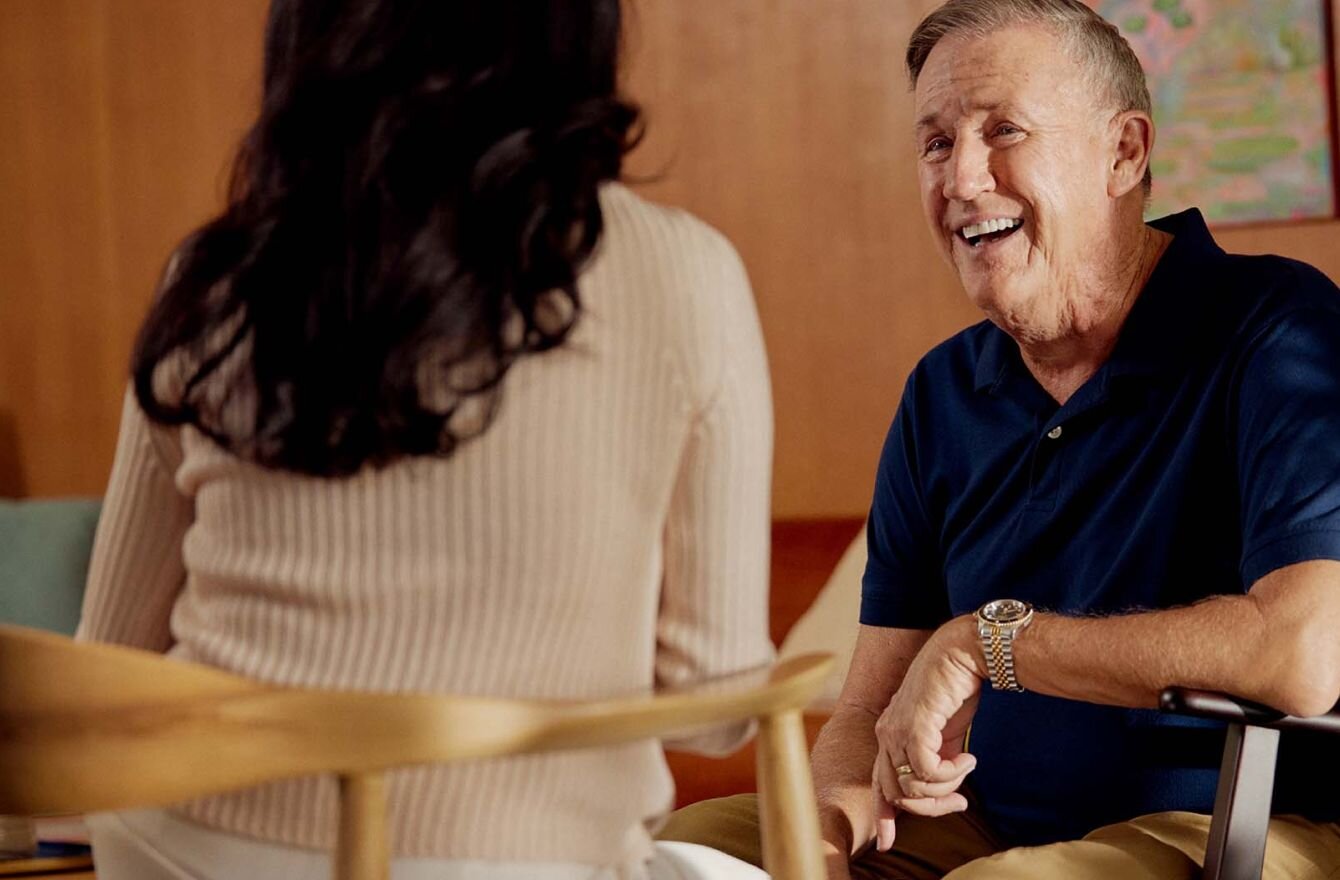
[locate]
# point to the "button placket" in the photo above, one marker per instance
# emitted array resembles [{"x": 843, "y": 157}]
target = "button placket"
[
  {"x": 1044, "y": 478},
  {"x": 1045, "y": 466}
]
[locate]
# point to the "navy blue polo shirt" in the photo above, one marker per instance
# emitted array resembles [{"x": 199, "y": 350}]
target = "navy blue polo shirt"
[{"x": 1204, "y": 454}]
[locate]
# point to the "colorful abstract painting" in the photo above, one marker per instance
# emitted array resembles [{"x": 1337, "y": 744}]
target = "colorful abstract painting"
[{"x": 1241, "y": 102}]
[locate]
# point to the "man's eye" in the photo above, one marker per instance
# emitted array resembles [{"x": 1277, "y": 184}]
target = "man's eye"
[
  {"x": 1005, "y": 129},
  {"x": 936, "y": 144}
]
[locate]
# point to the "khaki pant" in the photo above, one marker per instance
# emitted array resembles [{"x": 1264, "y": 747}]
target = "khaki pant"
[{"x": 1163, "y": 846}]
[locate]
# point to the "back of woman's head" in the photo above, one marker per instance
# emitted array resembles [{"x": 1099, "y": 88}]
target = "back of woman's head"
[{"x": 407, "y": 217}]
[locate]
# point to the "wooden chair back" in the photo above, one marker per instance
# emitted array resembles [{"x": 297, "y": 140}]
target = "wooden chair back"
[{"x": 88, "y": 727}]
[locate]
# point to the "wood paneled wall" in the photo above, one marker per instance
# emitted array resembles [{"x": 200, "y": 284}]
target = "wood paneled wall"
[
  {"x": 785, "y": 123},
  {"x": 116, "y": 118}
]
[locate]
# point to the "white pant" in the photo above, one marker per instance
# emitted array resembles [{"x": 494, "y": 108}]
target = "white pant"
[{"x": 155, "y": 845}]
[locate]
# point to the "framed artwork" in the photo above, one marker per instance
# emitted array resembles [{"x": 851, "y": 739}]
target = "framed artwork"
[{"x": 1244, "y": 104}]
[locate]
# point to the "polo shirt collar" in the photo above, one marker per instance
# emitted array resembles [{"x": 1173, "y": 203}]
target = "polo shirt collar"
[
  {"x": 1155, "y": 333},
  {"x": 999, "y": 354}
]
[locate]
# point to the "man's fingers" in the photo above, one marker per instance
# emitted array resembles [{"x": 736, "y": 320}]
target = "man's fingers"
[
  {"x": 884, "y": 824},
  {"x": 883, "y": 789},
  {"x": 912, "y": 787},
  {"x": 939, "y": 806},
  {"x": 930, "y": 767},
  {"x": 915, "y": 785},
  {"x": 886, "y": 777}
]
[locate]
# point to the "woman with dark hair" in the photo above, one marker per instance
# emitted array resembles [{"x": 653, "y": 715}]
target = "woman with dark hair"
[{"x": 435, "y": 404}]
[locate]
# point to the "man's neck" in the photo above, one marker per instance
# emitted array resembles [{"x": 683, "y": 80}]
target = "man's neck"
[{"x": 1061, "y": 366}]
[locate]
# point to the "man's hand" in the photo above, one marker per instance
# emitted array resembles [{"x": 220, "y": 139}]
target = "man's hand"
[
  {"x": 846, "y": 749},
  {"x": 836, "y": 863},
  {"x": 921, "y": 763}
]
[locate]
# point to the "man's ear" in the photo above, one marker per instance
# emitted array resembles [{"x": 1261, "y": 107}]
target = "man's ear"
[{"x": 1134, "y": 134}]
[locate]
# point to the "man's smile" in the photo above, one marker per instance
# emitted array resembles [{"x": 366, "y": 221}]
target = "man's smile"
[{"x": 986, "y": 232}]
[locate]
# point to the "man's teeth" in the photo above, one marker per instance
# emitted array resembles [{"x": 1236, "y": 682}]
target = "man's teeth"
[{"x": 986, "y": 227}]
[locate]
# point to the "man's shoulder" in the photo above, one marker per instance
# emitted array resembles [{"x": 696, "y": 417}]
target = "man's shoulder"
[
  {"x": 1259, "y": 292},
  {"x": 1233, "y": 286},
  {"x": 1292, "y": 281}
]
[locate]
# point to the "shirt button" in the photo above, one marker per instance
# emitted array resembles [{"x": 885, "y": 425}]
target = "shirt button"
[{"x": 1054, "y": 433}]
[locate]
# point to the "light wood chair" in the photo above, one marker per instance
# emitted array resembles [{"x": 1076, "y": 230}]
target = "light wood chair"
[{"x": 87, "y": 727}]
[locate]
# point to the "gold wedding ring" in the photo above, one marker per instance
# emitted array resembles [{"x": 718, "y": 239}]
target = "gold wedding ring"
[{"x": 903, "y": 770}]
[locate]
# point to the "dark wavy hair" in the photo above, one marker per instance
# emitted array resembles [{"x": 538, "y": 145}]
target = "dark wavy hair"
[{"x": 406, "y": 218}]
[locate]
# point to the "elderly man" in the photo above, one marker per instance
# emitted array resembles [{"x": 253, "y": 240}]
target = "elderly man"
[{"x": 1128, "y": 477}]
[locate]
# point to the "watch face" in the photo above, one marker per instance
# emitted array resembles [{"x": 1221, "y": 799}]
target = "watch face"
[{"x": 1005, "y": 611}]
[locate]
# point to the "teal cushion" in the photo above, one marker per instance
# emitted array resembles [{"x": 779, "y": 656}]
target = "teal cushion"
[{"x": 44, "y": 550}]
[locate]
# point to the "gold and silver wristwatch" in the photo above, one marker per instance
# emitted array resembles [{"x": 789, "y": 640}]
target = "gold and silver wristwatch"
[{"x": 998, "y": 623}]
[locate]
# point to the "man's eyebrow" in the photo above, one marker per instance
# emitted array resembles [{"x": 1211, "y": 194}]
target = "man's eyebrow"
[
  {"x": 932, "y": 119},
  {"x": 928, "y": 121}
]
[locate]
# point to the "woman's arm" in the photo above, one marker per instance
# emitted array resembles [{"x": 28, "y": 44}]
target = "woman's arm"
[
  {"x": 714, "y": 600},
  {"x": 136, "y": 570}
]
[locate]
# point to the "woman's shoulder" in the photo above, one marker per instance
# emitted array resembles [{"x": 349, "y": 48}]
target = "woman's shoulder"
[
  {"x": 634, "y": 223},
  {"x": 662, "y": 261}
]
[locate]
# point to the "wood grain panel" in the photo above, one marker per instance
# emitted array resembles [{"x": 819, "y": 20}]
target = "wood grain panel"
[
  {"x": 52, "y": 252},
  {"x": 785, "y": 123},
  {"x": 119, "y": 117},
  {"x": 787, "y": 126}
]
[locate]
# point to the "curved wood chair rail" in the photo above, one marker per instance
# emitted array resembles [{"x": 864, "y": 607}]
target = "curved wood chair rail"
[{"x": 86, "y": 727}]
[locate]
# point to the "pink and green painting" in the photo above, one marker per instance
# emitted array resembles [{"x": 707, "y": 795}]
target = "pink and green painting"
[{"x": 1241, "y": 102}]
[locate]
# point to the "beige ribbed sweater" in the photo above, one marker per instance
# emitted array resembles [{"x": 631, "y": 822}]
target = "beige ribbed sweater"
[{"x": 608, "y": 532}]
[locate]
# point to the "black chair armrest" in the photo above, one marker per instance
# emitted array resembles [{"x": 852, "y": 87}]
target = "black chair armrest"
[
  {"x": 1222, "y": 707},
  {"x": 1237, "y": 842}
]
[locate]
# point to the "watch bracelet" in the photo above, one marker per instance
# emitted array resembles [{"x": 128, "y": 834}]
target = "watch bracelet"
[{"x": 999, "y": 653}]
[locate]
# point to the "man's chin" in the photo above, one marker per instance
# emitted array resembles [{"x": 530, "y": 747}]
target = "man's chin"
[
  {"x": 1006, "y": 305},
  {"x": 991, "y": 297}
]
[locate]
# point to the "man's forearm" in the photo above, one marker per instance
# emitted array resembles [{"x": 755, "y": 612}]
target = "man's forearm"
[
  {"x": 843, "y": 758},
  {"x": 842, "y": 761},
  {"x": 1276, "y": 646}
]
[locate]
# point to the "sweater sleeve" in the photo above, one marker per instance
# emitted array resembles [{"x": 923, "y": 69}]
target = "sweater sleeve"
[
  {"x": 714, "y": 604},
  {"x": 136, "y": 569}
]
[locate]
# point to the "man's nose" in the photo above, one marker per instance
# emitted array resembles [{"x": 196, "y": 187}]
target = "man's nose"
[{"x": 968, "y": 174}]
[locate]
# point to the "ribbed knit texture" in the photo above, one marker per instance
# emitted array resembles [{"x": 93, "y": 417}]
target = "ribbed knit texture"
[{"x": 609, "y": 532}]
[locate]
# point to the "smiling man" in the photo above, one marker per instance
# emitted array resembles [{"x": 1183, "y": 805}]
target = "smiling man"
[{"x": 1126, "y": 478}]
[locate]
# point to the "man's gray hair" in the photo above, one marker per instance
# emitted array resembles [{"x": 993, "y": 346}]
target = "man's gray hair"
[{"x": 1091, "y": 39}]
